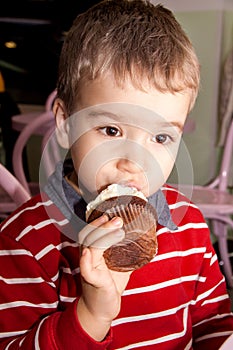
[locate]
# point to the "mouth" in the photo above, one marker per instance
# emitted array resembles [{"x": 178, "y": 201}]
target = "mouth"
[
  {"x": 130, "y": 184},
  {"x": 124, "y": 183}
]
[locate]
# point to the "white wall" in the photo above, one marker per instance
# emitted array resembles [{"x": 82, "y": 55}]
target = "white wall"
[
  {"x": 204, "y": 22},
  {"x": 196, "y": 5}
]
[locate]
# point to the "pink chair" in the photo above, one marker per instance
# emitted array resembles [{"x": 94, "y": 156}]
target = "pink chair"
[
  {"x": 12, "y": 193},
  {"x": 19, "y": 121},
  {"x": 30, "y": 124},
  {"x": 43, "y": 124},
  {"x": 216, "y": 203}
]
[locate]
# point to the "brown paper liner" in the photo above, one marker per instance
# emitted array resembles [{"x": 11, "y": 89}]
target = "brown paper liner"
[{"x": 139, "y": 223}]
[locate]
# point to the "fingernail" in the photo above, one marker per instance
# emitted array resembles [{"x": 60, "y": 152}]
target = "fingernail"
[{"x": 117, "y": 221}]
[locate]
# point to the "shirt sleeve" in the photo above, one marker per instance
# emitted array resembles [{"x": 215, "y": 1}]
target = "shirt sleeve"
[
  {"x": 30, "y": 315},
  {"x": 79, "y": 336}
]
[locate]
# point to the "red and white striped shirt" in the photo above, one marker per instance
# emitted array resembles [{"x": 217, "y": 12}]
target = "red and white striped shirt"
[{"x": 178, "y": 301}]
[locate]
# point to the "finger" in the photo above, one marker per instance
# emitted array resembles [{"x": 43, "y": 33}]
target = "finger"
[
  {"x": 108, "y": 234},
  {"x": 109, "y": 239},
  {"x": 86, "y": 266},
  {"x": 93, "y": 267},
  {"x": 90, "y": 227}
]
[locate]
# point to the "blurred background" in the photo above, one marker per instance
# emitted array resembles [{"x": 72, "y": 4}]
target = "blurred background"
[{"x": 31, "y": 35}]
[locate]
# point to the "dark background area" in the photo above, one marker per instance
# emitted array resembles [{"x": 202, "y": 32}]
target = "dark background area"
[{"x": 38, "y": 28}]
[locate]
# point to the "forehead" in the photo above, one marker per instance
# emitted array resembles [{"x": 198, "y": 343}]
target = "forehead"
[{"x": 106, "y": 91}]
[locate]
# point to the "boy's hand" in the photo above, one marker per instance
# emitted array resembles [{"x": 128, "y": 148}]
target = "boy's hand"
[{"x": 102, "y": 288}]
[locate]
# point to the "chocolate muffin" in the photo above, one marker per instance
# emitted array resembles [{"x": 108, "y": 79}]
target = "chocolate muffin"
[{"x": 139, "y": 223}]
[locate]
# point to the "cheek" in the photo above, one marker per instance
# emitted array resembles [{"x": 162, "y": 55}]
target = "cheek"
[
  {"x": 160, "y": 167},
  {"x": 78, "y": 152},
  {"x": 166, "y": 157},
  {"x": 81, "y": 147},
  {"x": 88, "y": 163}
]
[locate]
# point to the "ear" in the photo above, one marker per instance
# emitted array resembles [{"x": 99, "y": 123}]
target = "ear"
[{"x": 62, "y": 125}]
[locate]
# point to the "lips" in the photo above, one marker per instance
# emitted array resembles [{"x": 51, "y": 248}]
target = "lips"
[
  {"x": 125, "y": 183},
  {"x": 130, "y": 184}
]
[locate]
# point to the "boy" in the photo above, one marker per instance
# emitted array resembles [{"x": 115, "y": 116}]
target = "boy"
[{"x": 128, "y": 78}]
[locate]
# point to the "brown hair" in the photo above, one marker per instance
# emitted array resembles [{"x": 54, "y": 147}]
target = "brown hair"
[{"x": 133, "y": 39}]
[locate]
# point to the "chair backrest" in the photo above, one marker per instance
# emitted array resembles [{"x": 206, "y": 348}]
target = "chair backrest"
[
  {"x": 49, "y": 101},
  {"x": 12, "y": 193},
  {"x": 226, "y": 163},
  {"x": 39, "y": 124},
  {"x": 45, "y": 122}
]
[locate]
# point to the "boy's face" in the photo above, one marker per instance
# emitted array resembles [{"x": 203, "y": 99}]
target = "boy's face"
[{"x": 125, "y": 135}]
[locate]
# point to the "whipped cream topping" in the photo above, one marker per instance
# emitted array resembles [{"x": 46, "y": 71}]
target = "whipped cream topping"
[{"x": 114, "y": 190}]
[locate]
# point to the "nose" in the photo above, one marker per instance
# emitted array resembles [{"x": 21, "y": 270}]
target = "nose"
[
  {"x": 126, "y": 165},
  {"x": 133, "y": 158}
]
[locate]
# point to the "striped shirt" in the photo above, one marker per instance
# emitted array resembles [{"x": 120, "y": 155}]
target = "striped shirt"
[{"x": 178, "y": 301}]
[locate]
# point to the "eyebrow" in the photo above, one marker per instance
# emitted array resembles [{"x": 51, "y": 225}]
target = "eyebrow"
[
  {"x": 104, "y": 114},
  {"x": 175, "y": 124},
  {"x": 115, "y": 117}
]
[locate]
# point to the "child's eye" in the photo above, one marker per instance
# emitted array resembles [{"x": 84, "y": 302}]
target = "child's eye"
[
  {"x": 110, "y": 131},
  {"x": 162, "y": 138}
]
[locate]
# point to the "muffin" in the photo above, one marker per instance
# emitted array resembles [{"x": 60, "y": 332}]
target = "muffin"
[{"x": 139, "y": 223}]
